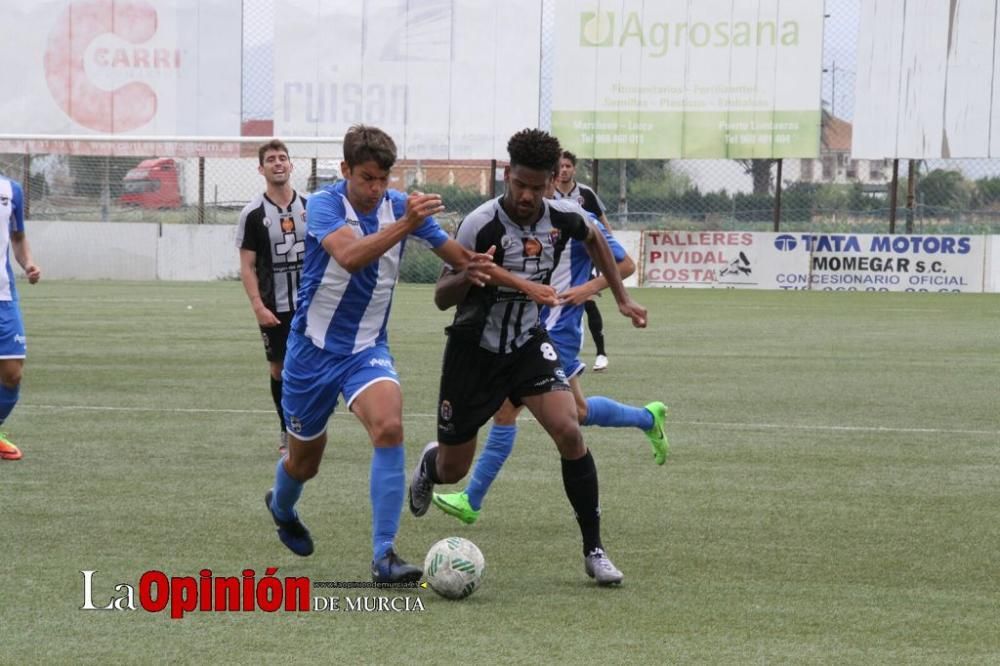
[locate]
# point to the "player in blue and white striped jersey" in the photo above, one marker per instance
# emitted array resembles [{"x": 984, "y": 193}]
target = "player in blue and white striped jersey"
[
  {"x": 567, "y": 187},
  {"x": 13, "y": 344},
  {"x": 356, "y": 231}
]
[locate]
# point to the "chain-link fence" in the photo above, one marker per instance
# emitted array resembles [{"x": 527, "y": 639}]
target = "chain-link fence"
[{"x": 833, "y": 192}]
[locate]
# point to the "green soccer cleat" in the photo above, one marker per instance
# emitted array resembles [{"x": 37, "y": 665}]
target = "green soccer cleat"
[
  {"x": 657, "y": 435},
  {"x": 457, "y": 504}
]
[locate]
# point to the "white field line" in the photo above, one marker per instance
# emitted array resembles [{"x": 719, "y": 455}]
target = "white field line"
[{"x": 728, "y": 425}]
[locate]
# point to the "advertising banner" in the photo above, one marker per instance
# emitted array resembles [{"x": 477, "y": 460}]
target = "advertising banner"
[
  {"x": 732, "y": 259},
  {"x": 141, "y": 67},
  {"x": 925, "y": 86},
  {"x": 828, "y": 262},
  {"x": 688, "y": 78},
  {"x": 447, "y": 79}
]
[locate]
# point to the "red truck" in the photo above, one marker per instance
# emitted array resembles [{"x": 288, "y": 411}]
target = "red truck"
[{"x": 154, "y": 183}]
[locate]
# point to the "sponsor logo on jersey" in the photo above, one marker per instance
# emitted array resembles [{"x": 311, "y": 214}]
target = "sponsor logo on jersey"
[
  {"x": 446, "y": 410},
  {"x": 532, "y": 247}
]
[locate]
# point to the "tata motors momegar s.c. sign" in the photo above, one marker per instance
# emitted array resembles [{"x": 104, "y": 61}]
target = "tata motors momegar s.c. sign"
[{"x": 821, "y": 262}]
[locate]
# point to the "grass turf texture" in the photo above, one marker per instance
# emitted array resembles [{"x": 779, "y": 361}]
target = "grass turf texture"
[{"x": 830, "y": 496}]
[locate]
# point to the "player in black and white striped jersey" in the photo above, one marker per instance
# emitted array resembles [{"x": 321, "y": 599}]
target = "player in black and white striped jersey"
[
  {"x": 498, "y": 347},
  {"x": 271, "y": 241}
]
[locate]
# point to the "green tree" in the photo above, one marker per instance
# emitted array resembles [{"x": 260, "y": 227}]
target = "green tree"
[{"x": 945, "y": 189}]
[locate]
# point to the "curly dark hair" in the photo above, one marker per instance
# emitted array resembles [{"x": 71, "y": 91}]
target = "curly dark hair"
[
  {"x": 535, "y": 149},
  {"x": 364, "y": 142}
]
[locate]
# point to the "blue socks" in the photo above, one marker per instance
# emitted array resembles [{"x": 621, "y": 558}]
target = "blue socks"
[
  {"x": 610, "y": 414},
  {"x": 8, "y": 398},
  {"x": 387, "y": 486},
  {"x": 286, "y": 493},
  {"x": 495, "y": 452}
]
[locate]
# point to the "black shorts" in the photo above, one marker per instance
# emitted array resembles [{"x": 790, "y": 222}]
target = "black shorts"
[
  {"x": 475, "y": 382},
  {"x": 276, "y": 337}
]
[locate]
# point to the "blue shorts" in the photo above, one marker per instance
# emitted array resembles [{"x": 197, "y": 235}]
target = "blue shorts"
[
  {"x": 13, "y": 344},
  {"x": 568, "y": 345},
  {"x": 313, "y": 379}
]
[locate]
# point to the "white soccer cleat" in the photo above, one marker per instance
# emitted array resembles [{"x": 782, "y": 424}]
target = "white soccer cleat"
[
  {"x": 600, "y": 363},
  {"x": 599, "y": 567}
]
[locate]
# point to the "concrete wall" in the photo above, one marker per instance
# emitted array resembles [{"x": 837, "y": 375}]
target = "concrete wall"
[
  {"x": 149, "y": 251},
  {"x": 133, "y": 250}
]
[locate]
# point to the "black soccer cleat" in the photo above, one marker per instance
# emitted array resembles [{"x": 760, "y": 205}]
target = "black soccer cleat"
[
  {"x": 421, "y": 487},
  {"x": 391, "y": 568},
  {"x": 292, "y": 533}
]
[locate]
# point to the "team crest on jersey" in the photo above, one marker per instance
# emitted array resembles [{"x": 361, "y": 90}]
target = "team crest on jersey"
[
  {"x": 294, "y": 424},
  {"x": 446, "y": 410},
  {"x": 287, "y": 224},
  {"x": 532, "y": 247},
  {"x": 506, "y": 241},
  {"x": 579, "y": 199},
  {"x": 554, "y": 236}
]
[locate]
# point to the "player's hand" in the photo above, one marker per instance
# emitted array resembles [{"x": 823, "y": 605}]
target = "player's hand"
[
  {"x": 543, "y": 294},
  {"x": 265, "y": 317},
  {"x": 575, "y": 295},
  {"x": 33, "y": 272},
  {"x": 420, "y": 206},
  {"x": 480, "y": 268},
  {"x": 633, "y": 311}
]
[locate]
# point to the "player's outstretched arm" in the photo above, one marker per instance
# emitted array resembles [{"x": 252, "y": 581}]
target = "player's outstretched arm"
[
  {"x": 600, "y": 253},
  {"x": 581, "y": 294},
  {"x": 355, "y": 253},
  {"x": 453, "y": 285}
]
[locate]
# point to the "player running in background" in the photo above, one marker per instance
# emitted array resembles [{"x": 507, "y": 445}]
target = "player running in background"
[
  {"x": 575, "y": 286},
  {"x": 568, "y": 188},
  {"x": 271, "y": 241},
  {"x": 13, "y": 344},
  {"x": 355, "y": 236},
  {"x": 497, "y": 347}
]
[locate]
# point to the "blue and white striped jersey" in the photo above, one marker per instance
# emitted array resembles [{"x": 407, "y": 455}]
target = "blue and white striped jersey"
[
  {"x": 341, "y": 312},
  {"x": 12, "y": 211},
  {"x": 573, "y": 273}
]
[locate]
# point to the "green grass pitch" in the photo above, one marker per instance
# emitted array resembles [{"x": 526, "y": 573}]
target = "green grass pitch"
[{"x": 832, "y": 493}]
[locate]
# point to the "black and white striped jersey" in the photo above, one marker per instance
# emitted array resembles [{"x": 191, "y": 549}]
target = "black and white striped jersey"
[
  {"x": 586, "y": 197},
  {"x": 277, "y": 236},
  {"x": 504, "y": 319}
]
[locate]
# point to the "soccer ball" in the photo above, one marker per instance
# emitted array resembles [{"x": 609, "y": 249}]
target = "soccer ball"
[{"x": 454, "y": 567}]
